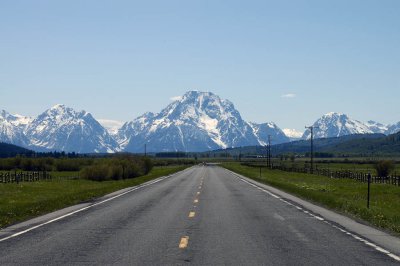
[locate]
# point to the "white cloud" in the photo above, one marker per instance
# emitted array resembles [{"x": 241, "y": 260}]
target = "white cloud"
[
  {"x": 175, "y": 98},
  {"x": 288, "y": 95}
]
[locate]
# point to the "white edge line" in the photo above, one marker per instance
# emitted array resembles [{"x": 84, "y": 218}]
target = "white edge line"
[{"x": 87, "y": 207}]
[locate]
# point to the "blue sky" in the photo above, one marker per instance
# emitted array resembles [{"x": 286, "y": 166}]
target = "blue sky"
[{"x": 119, "y": 59}]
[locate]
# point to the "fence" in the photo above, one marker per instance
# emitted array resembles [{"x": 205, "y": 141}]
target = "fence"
[
  {"x": 16, "y": 177},
  {"x": 361, "y": 177}
]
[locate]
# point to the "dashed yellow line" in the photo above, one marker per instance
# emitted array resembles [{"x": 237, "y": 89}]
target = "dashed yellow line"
[
  {"x": 196, "y": 201},
  {"x": 192, "y": 214},
  {"x": 184, "y": 242}
]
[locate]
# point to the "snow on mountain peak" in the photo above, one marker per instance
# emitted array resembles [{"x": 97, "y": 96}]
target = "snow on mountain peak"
[
  {"x": 195, "y": 121},
  {"x": 392, "y": 129},
  {"x": 333, "y": 114},
  {"x": 63, "y": 128},
  {"x": 112, "y": 126},
  {"x": 377, "y": 127},
  {"x": 293, "y": 134},
  {"x": 336, "y": 125},
  {"x": 58, "y": 106},
  {"x": 12, "y": 128},
  {"x": 15, "y": 119}
]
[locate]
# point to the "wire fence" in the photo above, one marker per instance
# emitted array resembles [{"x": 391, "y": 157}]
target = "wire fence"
[{"x": 346, "y": 174}]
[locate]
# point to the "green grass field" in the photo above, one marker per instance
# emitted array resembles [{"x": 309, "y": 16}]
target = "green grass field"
[
  {"x": 355, "y": 165},
  {"x": 30, "y": 199},
  {"x": 344, "y": 196}
]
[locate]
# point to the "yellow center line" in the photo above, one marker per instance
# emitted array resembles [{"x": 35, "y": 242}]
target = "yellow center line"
[
  {"x": 184, "y": 242},
  {"x": 192, "y": 214}
]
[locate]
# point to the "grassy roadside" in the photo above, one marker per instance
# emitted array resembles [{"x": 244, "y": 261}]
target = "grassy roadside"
[
  {"x": 345, "y": 196},
  {"x": 27, "y": 200}
]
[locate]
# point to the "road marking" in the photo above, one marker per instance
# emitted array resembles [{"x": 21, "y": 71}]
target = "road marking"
[
  {"x": 192, "y": 214},
  {"x": 196, "y": 201},
  {"x": 88, "y": 207},
  {"x": 184, "y": 242},
  {"x": 366, "y": 242},
  {"x": 199, "y": 187},
  {"x": 198, "y": 192},
  {"x": 277, "y": 216}
]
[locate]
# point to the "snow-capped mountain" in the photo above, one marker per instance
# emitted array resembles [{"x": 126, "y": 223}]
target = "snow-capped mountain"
[
  {"x": 12, "y": 128},
  {"x": 112, "y": 126},
  {"x": 336, "y": 125},
  {"x": 131, "y": 131},
  {"x": 263, "y": 130},
  {"x": 392, "y": 129},
  {"x": 377, "y": 127},
  {"x": 292, "y": 134},
  {"x": 197, "y": 121},
  {"x": 62, "y": 128}
]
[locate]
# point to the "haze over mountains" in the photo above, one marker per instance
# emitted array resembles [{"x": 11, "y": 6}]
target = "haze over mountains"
[{"x": 197, "y": 121}]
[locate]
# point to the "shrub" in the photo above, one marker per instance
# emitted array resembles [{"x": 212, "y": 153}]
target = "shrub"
[
  {"x": 384, "y": 168},
  {"x": 27, "y": 164},
  {"x": 148, "y": 165},
  {"x": 114, "y": 172},
  {"x": 67, "y": 165},
  {"x": 96, "y": 172},
  {"x": 117, "y": 168}
]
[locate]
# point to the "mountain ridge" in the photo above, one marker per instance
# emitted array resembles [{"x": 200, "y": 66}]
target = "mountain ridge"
[{"x": 196, "y": 121}]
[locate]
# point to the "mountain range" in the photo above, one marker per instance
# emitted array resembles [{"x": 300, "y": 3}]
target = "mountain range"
[
  {"x": 337, "y": 125},
  {"x": 197, "y": 121}
]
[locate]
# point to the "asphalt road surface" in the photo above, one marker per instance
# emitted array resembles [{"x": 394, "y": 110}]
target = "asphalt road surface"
[{"x": 203, "y": 216}]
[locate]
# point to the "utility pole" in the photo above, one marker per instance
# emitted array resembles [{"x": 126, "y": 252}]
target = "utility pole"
[
  {"x": 269, "y": 164},
  {"x": 369, "y": 189},
  {"x": 311, "y": 128}
]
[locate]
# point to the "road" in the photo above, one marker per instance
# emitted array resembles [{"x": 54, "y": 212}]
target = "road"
[{"x": 203, "y": 216}]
